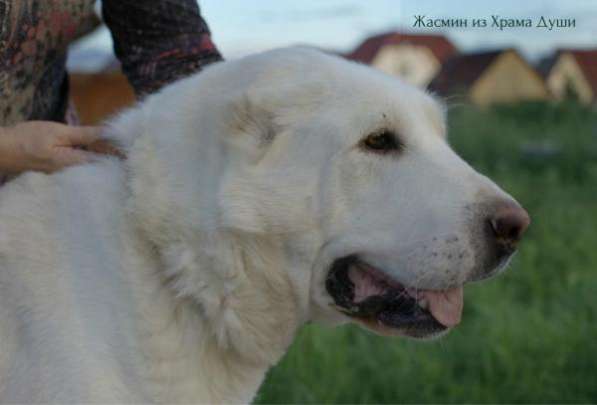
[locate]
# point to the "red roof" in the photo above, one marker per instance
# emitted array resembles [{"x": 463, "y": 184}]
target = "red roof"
[
  {"x": 461, "y": 71},
  {"x": 587, "y": 61},
  {"x": 439, "y": 45}
]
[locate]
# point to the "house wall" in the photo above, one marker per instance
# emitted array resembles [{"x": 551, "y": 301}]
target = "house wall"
[
  {"x": 508, "y": 79},
  {"x": 416, "y": 64},
  {"x": 566, "y": 72}
]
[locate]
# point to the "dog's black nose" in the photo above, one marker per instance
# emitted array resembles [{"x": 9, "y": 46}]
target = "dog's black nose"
[
  {"x": 504, "y": 227},
  {"x": 508, "y": 223}
]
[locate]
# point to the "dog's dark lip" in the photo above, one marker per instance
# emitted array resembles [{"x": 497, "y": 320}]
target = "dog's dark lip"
[{"x": 394, "y": 309}]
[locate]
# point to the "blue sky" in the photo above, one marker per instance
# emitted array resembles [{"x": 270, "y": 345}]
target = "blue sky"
[{"x": 240, "y": 27}]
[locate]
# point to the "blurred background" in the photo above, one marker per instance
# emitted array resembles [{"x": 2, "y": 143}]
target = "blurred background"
[{"x": 522, "y": 97}]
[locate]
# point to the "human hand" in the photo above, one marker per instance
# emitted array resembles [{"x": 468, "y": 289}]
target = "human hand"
[{"x": 48, "y": 146}]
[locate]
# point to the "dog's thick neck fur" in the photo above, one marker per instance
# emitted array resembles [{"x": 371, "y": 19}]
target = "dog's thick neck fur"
[
  {"x": 213, "y": 343},
  {"x": 227, "y": 315}
]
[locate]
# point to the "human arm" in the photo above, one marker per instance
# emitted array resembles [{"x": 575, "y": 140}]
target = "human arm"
[{"x": 158, "y": 41}]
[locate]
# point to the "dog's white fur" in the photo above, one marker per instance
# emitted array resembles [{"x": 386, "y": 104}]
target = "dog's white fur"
[{"x": 183, "y": 273}]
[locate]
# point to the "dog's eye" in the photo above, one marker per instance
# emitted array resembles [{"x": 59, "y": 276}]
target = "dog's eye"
[{"x": 382, "y": 142}]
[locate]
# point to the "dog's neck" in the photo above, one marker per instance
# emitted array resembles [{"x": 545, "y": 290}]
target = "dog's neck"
[
  {"x": 210, "y": 330},
  {"x": 216, "y": 308}
]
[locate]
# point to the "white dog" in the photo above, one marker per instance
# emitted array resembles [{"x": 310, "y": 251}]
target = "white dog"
[{"x": 261, "y": 194}]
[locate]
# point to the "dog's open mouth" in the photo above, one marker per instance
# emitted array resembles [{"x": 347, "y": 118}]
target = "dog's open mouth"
[{"x": 381, "y": 303}]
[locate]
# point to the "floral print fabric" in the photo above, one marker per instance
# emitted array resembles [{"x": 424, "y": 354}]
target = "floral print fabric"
[{"x": 157, "y": 41}]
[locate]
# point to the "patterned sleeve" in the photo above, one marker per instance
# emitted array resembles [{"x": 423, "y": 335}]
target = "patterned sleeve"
[{"x": 158, "y": 41}]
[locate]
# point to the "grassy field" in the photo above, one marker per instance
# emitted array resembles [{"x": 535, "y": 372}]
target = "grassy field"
[{"x": 527, "y": 336}]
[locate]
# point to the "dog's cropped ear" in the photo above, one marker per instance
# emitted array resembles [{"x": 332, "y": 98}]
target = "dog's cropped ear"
[
  {"x": 252, "y": 124},
  {"x": 266, "y": 108}
]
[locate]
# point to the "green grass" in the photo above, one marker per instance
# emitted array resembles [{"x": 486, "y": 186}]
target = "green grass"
[{"x": 528, "y": 336}]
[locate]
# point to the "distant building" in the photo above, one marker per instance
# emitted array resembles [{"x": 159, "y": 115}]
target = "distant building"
[
  {"x": 97, "y": 96},
  {"x": 416, "y": 58},
  {"x": 572, "y": 73},
  {"x": 485, "y": 78}
]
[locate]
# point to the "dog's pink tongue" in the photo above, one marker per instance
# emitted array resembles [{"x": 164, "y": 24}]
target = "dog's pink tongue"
[{"x": 445, "y": 306}]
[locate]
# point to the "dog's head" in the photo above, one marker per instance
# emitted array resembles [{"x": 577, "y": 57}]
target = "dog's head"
[{"x": 343, "y": 172}]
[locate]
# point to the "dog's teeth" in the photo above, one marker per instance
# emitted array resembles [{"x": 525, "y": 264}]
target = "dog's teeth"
[{"x": 423, "y": 303}]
